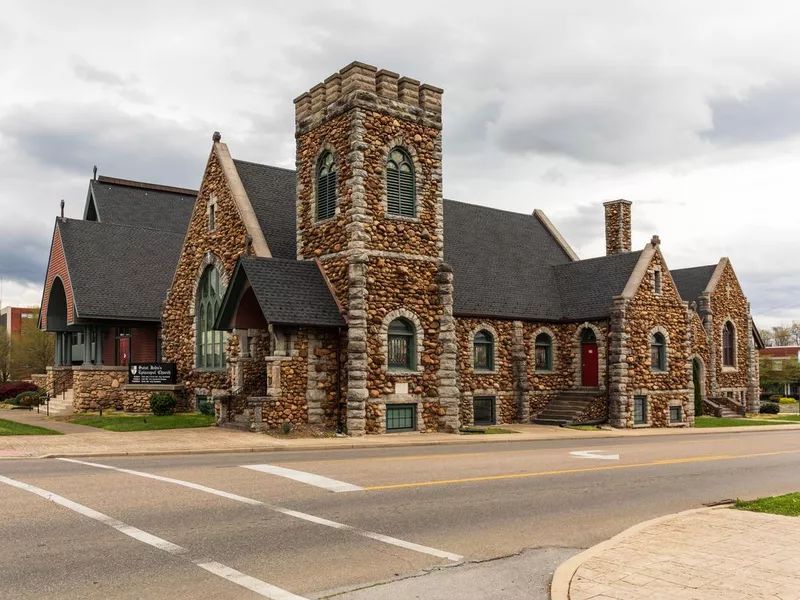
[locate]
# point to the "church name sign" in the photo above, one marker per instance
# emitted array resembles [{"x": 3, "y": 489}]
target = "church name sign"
[{"x": 152, "y": 374}]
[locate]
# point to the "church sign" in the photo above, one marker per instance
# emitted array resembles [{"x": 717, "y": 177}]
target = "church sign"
[{"x": 152, "y": 374}]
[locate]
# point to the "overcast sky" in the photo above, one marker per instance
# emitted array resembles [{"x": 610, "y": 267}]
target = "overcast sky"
[{"x": 689, "y": 109}]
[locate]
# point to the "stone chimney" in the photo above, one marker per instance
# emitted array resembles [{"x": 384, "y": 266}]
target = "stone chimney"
[{"x": 618, "y": 226}]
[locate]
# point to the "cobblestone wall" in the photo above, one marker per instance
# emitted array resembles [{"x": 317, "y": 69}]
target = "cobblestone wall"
[{"x": 728, "y": 303}]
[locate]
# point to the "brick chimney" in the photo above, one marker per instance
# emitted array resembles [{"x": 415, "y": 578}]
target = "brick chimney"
[{"x": 618, "y": 226}]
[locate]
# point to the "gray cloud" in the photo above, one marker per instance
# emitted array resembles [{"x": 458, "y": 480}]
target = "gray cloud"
[
  {"x": 23, "y": 257},
  {"x": 86, "y": 72},
  {"x": 765, "y": 114}
]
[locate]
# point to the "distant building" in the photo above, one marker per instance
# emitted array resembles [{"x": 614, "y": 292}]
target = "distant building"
[
  {"x": 777, "y": 357},
  {"x": 12, "y": 318}
]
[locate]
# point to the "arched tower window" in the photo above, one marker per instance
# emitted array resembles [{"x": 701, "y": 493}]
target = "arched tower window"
[
  {"x": 400, "y": 188},
  {"x": 543, "y": 353},
  {"x": 658, "y": 352},
  {"x": 483, "y": 349},
  {"x": 326, "y": 187},
  {"x": 210, "y": 343},
  {"x": 728, "y": 345},
  {"x": 402, "y": 345}
]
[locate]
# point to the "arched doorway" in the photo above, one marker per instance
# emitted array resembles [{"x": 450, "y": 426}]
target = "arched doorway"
[
  {"x": 699, "y": 381},
  {"x": 589, "y": 359}
]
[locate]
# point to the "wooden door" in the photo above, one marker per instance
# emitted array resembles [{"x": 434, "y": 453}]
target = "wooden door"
[
  {"x": 590, "y": 366},
  {"x": 124, "y": 350}
]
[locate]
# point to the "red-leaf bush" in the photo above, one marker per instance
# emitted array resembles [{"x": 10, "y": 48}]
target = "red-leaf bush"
[{"x": 15, "y": 388}]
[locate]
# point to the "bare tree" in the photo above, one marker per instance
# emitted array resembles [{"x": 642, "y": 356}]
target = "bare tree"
[
  {"x": 782, "y": 335},
  {"x": 766, "y": 335},
  {"x": 5, "y": 355}
]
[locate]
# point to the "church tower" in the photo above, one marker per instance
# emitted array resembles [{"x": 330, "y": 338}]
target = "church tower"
[{"x": 369, "y": 209}]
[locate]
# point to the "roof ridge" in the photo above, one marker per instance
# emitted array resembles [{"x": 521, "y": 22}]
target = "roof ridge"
[
  {"x": 605, "y": 256},
  {"x": 502, "y": 210},
  {"x": 156, "y": 187},
  {"x": 697, "y": 267},
  {"x": 104, "y": 223},
  {"x": 250, "y": 162}
]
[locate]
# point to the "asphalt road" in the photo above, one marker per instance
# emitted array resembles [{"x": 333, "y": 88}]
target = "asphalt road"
[{"x": 474, "y": 521}]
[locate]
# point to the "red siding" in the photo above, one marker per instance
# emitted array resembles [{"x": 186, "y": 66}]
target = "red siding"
[
  {"x": 144, "y": 344},
  {"x": 57, "y": 268}
]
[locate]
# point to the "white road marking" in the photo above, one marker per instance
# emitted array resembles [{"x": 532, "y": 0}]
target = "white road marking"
[
  {"x": 251, "y": 583},
  {"x": 596, "y": 454},
  {"x": 279, "y": 509},
  {"x": 304, "y": 477}
]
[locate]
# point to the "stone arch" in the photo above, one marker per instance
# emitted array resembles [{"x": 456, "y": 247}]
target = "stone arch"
[
  {"x": 495, "y": 341},
  {"x": 419, "y": 337},
  {"x": 553, "y": 347},
  {"x": 696, "y": 359},
  {"x": 665, "y": 333},
  {"x": 419, "y": 178},
  {"x": 324, "y": 147},
  {"x": 735, "y": 364}
]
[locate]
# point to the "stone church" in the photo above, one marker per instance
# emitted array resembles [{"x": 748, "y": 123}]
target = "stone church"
[{"x": 349, "y": 293}]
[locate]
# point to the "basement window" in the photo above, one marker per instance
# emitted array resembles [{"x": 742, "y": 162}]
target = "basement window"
[
  {"x": 483, "y": 410},
  {"x": 640, "y": 410},
  {"x": 401, "y": 417},
  {"x": 675, "y": 414}
]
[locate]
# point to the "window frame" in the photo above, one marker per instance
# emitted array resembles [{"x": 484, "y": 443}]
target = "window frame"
[
  {"x": 492, "y": 400},
  {"x": 658, "y": 283},
  {"x": 643, "y": 419},
  {"x": 331, "y": 183},
  {"x": 206, "y": 309},
  {"x": 729, "y": 352},
  {"x": 409, "y": 336},
  {"x": 488, "y": 343},
  {"x": 394, "y": 407},
  {"x": 679, "y": 410},
  {"x": 397, "y": 204},
  {"x": 548, "y": 346},
  {"x": 658, "y": 343}
]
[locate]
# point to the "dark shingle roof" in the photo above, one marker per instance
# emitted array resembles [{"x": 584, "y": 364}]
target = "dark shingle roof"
[
  {"x": 136, "y": 205},
  {"x": 692, "y": 281},
  {"x": 119, "y": 272},
  {"x": 587, "y": 286},
  {"x": 271, "y": 191},
  {"x": 502, "y": 263},
  {"x": 291, "y": 292}
]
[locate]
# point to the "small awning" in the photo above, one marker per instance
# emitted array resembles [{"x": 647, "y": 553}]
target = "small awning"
[{"x": 284, "y": 291}]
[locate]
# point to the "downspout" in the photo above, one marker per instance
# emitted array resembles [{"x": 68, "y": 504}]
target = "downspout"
[{"x": 339, "y": 381}]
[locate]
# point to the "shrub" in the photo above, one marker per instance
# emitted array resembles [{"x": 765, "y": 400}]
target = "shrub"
[
  {"x": 15, "y": 388},
  {"x": 774, "y": 398},
  {"x": 786, "y": 400},
  {"x": 29, "y": 399},
  {"x": 770, "y": 408},
  {"x": 206, "y": 408},
  {"x": 162, "y": 404}
]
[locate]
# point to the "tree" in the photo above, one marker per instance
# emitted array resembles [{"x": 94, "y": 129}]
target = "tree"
[
  {"x": 766, "y": 335},
  {"x": 32, "y": 350},
  {"x": 5, "y": 355},
  {"x": 774, "y": 374},
  {"x": 796, "y": 333},
  {"x": 782, "y": 335}
]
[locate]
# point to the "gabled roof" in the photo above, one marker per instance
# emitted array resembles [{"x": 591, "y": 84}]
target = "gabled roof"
[
  {"x": 118, "y": 272},
  {"x": 289, "y": 292},
  {"x": 272, "y": 194},
  {"x": 692, "y": 282},
  {"x": 136, "y": 204},
  {"x": 588, "y": 286}
]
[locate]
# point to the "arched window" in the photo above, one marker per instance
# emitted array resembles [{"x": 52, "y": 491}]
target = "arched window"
[
  {"x": 326, "y": 187},
  {"x": 400, "y": 188},
  {"x": 728, "y": 345},
  {"x": 588, "y": 336},
  {"x": 210, "y": 343},
  {"x": 402, "y": 345},
  {"x": 483, "y": 350},
  {"x": 543, "y": 353},
  {"x": 658, "y": 352}
]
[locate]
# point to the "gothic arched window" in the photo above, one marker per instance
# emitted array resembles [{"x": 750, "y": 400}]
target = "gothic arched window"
[
  {"x": 729, "y": 345},
  {"x": 400, "y": 187},
  {"x": 326, "y": 187},
  {"x": 402, "y": 345},
  {"x": 658, "y": 352},
  {"x": 483, "y": 349},
  {"x": 543, "y": 353},
  {"x": 210, "y": 343}
]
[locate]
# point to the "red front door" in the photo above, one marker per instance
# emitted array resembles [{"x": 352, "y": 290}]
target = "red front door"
[
  {"x": 590, "y": 366},
  {"x": 124, "y": 350}
]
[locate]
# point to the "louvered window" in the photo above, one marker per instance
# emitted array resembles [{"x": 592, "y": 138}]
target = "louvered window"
[
  {"x": 400, "y": 188},
  {"x": 326, "y": 187}
]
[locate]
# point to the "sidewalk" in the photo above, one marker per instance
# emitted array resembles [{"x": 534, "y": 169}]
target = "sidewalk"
[
  {"x": 706, "y": 554},
  {"x": 88, "y": 441}
]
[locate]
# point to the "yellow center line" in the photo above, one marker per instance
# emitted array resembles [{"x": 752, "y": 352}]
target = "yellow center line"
[{"x": 571, "y": 471}]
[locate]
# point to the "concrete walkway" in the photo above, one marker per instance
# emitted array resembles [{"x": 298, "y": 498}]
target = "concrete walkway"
[
  {"x": 89, "y": 441},
  {"x": 706, "y": 554}
]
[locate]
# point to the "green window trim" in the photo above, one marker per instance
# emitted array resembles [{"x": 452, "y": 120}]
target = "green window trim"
[
  {"x": 640, "y": 410},
  {"x": 402, "y": 346},
  {"x": 484, "y": 410},
  {"x": 210, "y": 343},
  {"x": 326, "y": 187},
  {"x": 543, "y": 353},
  {"x": 483, "y": 351},
  {"x": 658, "y": 352},
  {"x": 676, "y": 414},
  {"x": 401, "y": 193},
  {"x": 401, "y": 417}
]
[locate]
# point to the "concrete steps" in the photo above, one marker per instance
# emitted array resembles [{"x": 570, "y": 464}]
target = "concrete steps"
[
  {"x": 61, "y": 404},
  {"x": 567, "y": 406}
]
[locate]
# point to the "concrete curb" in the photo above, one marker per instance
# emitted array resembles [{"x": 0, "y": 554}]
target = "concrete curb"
[{"x": 562, "y": 578}]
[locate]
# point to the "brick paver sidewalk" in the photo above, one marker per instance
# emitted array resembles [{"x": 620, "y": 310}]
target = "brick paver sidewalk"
[{"x": 714, "y": 554}]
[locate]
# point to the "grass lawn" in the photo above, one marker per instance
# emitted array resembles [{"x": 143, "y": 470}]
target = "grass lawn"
[
  {"x": 115, "y": 422},
  {"x": 717, "y": 422},
  {"x": 14, "y": 428},
  {"x": 788, "y": 505}
]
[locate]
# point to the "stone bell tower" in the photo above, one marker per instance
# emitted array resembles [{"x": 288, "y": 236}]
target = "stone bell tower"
[{"x": 380, "y": 246}]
